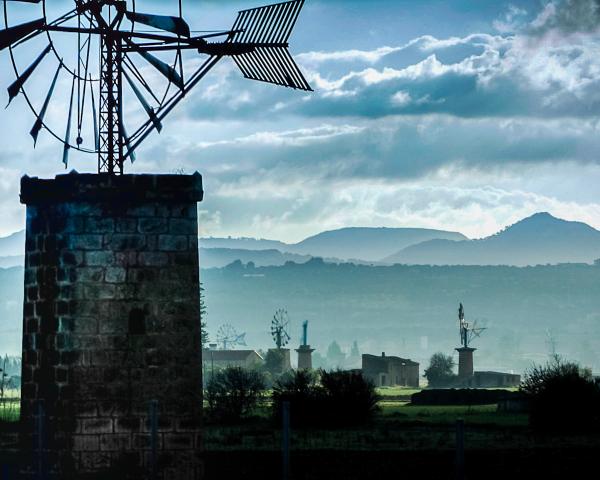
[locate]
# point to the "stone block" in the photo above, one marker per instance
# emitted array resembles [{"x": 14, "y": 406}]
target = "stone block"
[
  {"x": 86, "y": 443},
  {"x": 115, "y": 442},
  {"x": 172, "y": 243},
  {"x": 115, "y": 275},
  {"x": 100, "y": 258},
  {"x": 99, "y": 292},
  {"x": 85, "y": 242},
  {"x": 96, "y": 425},
  {"x": 121, "y": 242},
  {"x": 99, "y": 225},
  {"x": 153, "y": 259},
  {"x": 126, "y": 225},
  {"x": 152, "y": 225},
  {"x": 183, "y": 226}
]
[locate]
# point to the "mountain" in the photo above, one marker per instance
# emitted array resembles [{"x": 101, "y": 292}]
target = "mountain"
[
  {"x": 242, "y": 243},
  {"x": 536, "y": 240},
  {"x": 369, "y": 244},
  {"x": 13, "y": 245},
  {"x": 220, "y": 257}
]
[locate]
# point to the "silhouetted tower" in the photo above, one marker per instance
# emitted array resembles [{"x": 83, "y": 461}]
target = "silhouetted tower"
[{"x": 304, "y": 351}]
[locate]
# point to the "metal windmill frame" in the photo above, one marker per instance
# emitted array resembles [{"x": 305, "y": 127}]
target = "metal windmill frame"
[{"x": 257, "y": 43}]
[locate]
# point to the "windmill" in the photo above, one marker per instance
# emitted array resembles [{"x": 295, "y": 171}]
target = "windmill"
[
  {"x": 229, "y": 338},
  {"x": 279, "y": 328},
  {"x": 467, "y": 331},
  {"x": 107, "y": 50}
]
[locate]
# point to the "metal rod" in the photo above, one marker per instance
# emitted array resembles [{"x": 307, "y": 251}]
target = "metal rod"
[{"x": 285, "y": 440}]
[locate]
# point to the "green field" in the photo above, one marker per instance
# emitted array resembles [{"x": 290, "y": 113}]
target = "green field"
[{"x": 9, "y": 407}]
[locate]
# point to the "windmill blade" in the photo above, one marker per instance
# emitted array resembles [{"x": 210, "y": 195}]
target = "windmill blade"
[
  {"x": 15, "y": 88},
  {"x": 273, "y": 65},
  {"x": 24, "y": 1},
  {"x": 267, "y": 30},
  {"x": 169, "y": 72},
  {"x": 37, "y": 126},
  {"x": 11, "y": 35},
  {"x": 149, "y": 110},
  {"x": 272, "y": 23},
  {"x": 67, "y": 146},
  {"x": 176, "y": 25}
]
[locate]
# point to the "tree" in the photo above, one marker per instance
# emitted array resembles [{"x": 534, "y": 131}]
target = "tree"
[
  {"x": 563, "y": 396},
  {"x": 232, "y": 393},
  {"x": 274, "y": 361},
  {"x": 203, "y": 327},
  {"x": 335, "y": 355},
  {"x": 440, "y": 371}
]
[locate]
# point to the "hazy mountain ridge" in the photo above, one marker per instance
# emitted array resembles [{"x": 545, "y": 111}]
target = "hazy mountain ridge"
[
  {"x": 537, "y": 240},
  {"x": 358, "y": 244},
  {"x": 221, "y": 257}
]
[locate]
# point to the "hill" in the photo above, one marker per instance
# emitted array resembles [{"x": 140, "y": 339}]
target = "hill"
[
  {"x": 220, "y": 257},
  {"x": 13, "y": 245},
  {"x": 369, "y": 244},
  {"x": 537, "y": 240}
]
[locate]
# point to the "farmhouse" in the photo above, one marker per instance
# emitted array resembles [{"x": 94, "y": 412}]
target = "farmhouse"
[
  {"x": 231, "y": 358},
  {"x": 389, "y": 371}
]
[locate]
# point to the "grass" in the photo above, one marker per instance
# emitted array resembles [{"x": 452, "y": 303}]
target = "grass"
[
  {"x": 397, "y": 391},
  {"x": 10, "y": 406}
]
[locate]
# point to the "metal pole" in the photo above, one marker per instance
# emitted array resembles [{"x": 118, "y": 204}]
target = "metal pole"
[
  {"x": 460, "y": 449},
  {"x": 153, "y": 436},
  {"x": 286, "y": 440}
]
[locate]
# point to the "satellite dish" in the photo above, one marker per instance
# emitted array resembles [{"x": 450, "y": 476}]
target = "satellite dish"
[
  {"x": 228, "y": 338},
  {"x": 280, "y": 327}
]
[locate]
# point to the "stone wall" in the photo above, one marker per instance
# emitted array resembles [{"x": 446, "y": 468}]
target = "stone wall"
[{"x": 111, "y": 324}]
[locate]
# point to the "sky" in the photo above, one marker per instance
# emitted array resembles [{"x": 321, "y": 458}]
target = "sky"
[{"x": 458, "y": 115}]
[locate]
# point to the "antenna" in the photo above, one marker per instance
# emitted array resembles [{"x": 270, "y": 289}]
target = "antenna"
[
  {"x": 279, "y": 328},
  {"x": 228, "y": 338},
  {"x": 467, "y": 332},
  {"x": 108, "y": 32}
]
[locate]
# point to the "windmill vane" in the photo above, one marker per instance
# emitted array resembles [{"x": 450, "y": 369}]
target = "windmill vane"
[
  {"x": 257, "y": 42},
  {"x": 467, "y": 331},
  {"x": 229, "y": 338},
  {"x": 280, "y": 328}
]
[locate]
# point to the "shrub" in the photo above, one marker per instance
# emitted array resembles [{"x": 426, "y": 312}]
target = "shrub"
[
  {"x": 564, "y": 398},
  {"x": 301, "y": 390},
  {"x": 232, "y": 393},
  {"x": 336, "y": 398},
  {"x": 352, "y": 399},
  {"x": 440, "y": 371}
]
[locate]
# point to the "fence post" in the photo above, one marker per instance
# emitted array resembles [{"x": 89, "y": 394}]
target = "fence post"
[
  {"x": 153, "y": 437},
  {"x": 460, "y": 449},
  {"x": 286, "y": 440},
  {"x": 39, "y": 440}
]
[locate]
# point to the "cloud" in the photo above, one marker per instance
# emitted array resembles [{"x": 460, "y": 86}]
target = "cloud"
[{"x": 567, "y": 16}]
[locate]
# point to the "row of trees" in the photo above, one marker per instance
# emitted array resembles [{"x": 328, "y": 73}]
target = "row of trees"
[{"x": 334, "y": 398}]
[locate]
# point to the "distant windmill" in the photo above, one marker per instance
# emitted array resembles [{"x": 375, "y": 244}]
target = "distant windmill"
[
  {"x": 229, "y": 338},
  {"x": 279, "y": 328},
  {"x": 467, "y": 332}
]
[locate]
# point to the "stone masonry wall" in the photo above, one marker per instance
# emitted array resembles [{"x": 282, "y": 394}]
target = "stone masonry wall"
[{"x": 111, "y": 323}]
